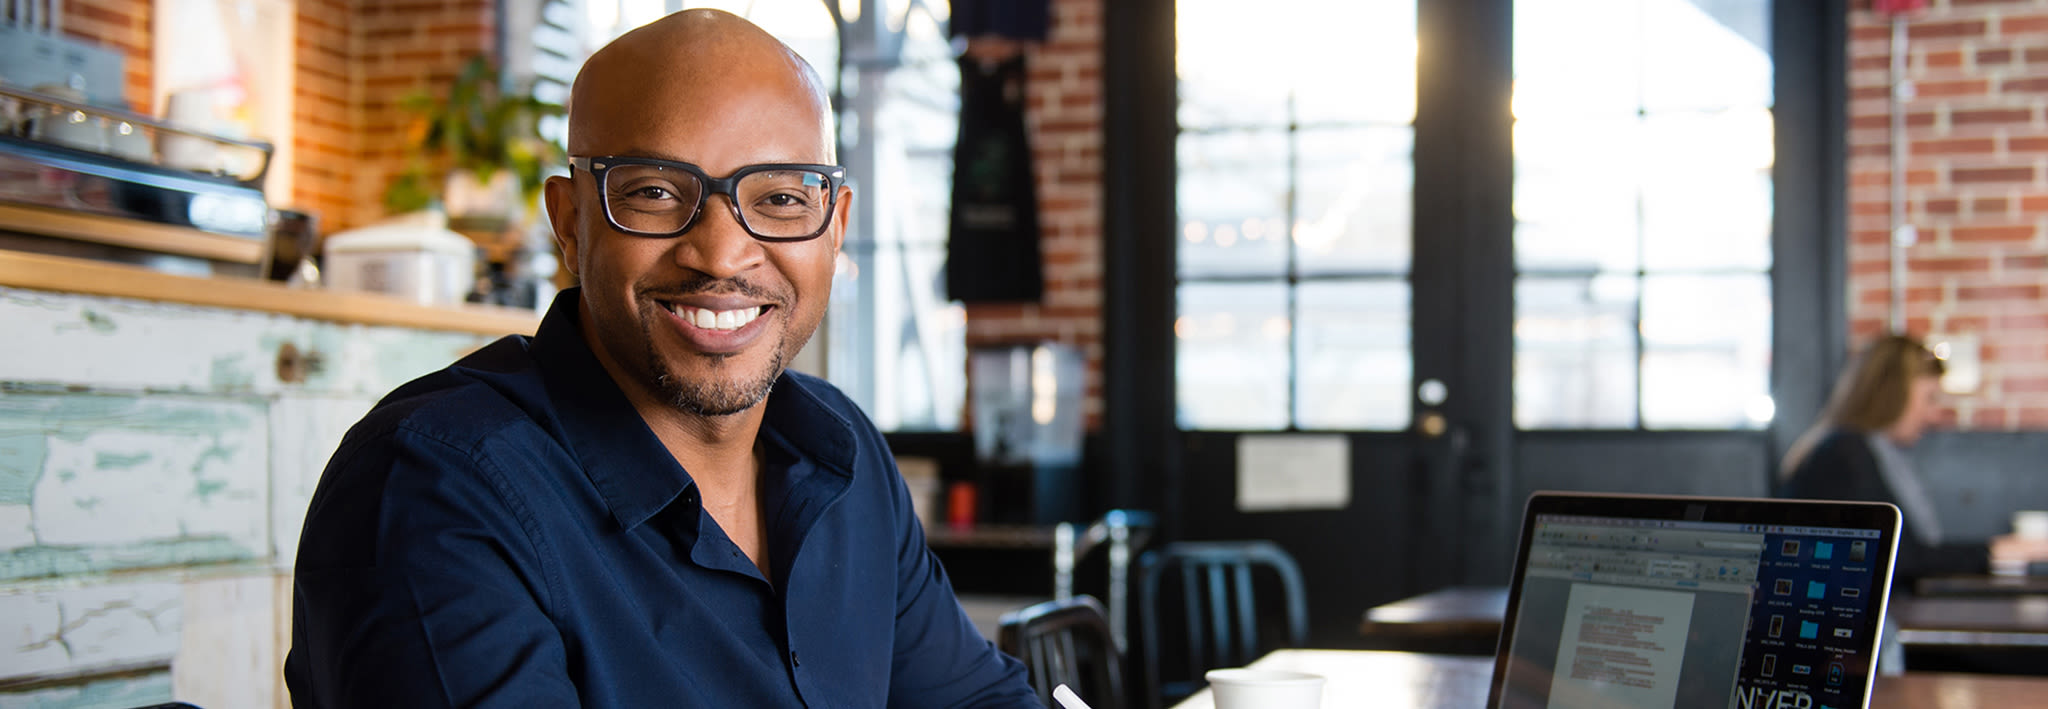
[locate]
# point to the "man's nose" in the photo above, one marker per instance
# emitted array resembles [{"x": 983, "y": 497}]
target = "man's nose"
[{"x": 718, "y": 245}]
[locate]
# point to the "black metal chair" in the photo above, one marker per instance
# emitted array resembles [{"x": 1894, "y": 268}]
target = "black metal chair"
[
  {"x": 1224, "y": 623},
  {"x": 1066, "y": 642}
]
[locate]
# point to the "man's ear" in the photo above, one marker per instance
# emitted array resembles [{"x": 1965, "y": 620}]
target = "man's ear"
[
  {"x": 560, "y": 195},
  {"x": 840, "y": 215}
]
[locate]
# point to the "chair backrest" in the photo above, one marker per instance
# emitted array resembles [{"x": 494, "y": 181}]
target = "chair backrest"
[
  {"x": 1066, "y": 642},
  {"x": 1222, "y": 616}
]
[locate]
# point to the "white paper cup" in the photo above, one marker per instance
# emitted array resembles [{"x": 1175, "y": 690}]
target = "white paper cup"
[
  {"x": 1242, "y": 688},
  {"x": 2030, "y": 524}
]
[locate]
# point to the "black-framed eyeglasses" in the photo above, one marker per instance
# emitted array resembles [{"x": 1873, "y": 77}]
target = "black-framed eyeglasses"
[{"x": 777, "y": 202}]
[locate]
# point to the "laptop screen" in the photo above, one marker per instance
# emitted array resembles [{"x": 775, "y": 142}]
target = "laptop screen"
[{"x": 1711, "y": 604}]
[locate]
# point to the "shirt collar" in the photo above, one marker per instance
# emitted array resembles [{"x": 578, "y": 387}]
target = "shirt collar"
[{"x": 620, "y": 455}]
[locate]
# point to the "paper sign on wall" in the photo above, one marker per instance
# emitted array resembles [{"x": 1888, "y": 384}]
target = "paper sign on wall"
[{"x": 1293, "y": 472}]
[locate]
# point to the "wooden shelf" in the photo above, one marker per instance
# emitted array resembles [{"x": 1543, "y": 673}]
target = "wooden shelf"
[{"x": 70, "y": 275}]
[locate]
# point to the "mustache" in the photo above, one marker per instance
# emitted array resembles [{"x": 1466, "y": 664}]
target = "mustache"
[{"x": 708, "y": 285}]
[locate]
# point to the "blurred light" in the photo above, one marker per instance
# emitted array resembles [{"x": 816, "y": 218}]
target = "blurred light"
[
  {"x": 1226, "y": 235},
  {"x": 1196, "y": 232},
  {"x": 1762, "y": 409},
  {"x": 1277, "y": 328},
  {"x": 1941, "y": 350},
  {"x": 1043, "y": 402},
  {"x": 1253, "y": 229},
  {"x": 1182, "y": 327}
]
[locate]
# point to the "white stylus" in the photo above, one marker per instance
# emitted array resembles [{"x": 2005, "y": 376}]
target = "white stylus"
[{"x": 1067, "y": 699}]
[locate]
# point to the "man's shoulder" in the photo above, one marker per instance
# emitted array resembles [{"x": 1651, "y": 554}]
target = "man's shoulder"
[{"x": 482, "y": 393}]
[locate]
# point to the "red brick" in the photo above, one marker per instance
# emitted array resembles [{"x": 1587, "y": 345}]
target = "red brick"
[
  {"x": 2024, "y": 385},
  {"x": 1988, "y": 205},
  {"x": 1942, "y": 60},
  {"x": 1914, "y": 294},
  {"x": 1949, "y": 265},
  {"x": 1991, "y": 174},
  {"x": 1918, "y": 119},
  {"x": 1870, "y": 62},
  {"x": 1992, "y": 57},
  {"x": 2030, "y": 321},
  {"x": 2024, "y": 262},
  {"x": 1989, "y": 116},
  {"x": 2021, "y": 24},
  {"x": 2007, "y": 234},
  {"x": 1869, "y": 92},
  {"x": 2018, "y": 292},
  {"x": 1936, "y": 30},
  {"x": 2031, "y": 85},
  {"x": 2027, "y": 144},
  {"x": 1953, "y": 146}
]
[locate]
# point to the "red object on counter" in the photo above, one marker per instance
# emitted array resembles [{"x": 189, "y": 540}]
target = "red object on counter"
[{"x": 960, "y": 504}]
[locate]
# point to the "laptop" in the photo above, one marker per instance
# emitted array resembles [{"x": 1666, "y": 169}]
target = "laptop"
[{"x": 1694, "y": 602}]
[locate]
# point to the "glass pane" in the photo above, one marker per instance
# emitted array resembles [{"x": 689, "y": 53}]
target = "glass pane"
[
  {"x": 1232, "y": 370},
  {"x": 896, "y": 345},
  {"x": 1706, "y": 55},
  {"x": 1707, "y": 190},
  {"x": 1578, "y": 58},
  {"x": 1706, "y": 351},
  {"x": 1356, "y": 191},
  {"x": 1575, "y": 352},
  {"x": 1352, "y": 353},
  {"x": 1328, "y": 35},
  {"x": 1575, "y": 196},
  {"x": 1241, "y": 66},
  {"x": 1233, "y": 204}
]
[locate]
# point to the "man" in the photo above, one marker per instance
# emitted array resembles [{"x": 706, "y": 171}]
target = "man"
[{"x": 639, "y": 506}]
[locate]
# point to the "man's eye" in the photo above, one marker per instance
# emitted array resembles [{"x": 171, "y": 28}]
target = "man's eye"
[{"x": 650, "y": 192}]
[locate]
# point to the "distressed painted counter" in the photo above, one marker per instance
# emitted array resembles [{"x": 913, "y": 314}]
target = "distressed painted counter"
[{"x": 155, "y": 464}]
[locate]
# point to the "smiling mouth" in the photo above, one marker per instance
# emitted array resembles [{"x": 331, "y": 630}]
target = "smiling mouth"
[{"x": 706, "y": 319}]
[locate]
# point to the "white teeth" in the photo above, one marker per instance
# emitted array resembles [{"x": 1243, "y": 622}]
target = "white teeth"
[{"x": 722, "y": 320}]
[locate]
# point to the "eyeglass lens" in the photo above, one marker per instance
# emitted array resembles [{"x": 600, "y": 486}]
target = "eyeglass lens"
[{"x": 773, "y": 203}]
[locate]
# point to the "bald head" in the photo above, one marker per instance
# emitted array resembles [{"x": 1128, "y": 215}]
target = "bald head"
[{"x": 660, "y": 78}]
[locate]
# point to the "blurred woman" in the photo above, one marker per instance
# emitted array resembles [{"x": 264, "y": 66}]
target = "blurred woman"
[{"x": 1881, "y": 404}]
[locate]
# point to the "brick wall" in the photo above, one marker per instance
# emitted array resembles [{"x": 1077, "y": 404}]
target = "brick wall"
[
  {"x": 122, "y": 25},
  {"x": 1977, "y": 192},
  {"x": 1064, "y": 118},
  {"x": 356, "y": 59}
]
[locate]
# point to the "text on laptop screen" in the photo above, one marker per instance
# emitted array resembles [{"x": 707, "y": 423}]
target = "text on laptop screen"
[{"x": 1663, "y": 613}]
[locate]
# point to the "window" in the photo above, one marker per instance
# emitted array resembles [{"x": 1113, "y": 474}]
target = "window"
[
  {"x": 1294, "y": 193},
  {"x": 1643, "y": 152}
]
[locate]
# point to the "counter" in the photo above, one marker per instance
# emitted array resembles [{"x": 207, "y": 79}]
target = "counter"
[{"x": 160, "y": 437}]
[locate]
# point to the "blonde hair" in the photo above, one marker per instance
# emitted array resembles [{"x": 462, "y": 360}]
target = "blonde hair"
[{"x": 1871, "y": 394}]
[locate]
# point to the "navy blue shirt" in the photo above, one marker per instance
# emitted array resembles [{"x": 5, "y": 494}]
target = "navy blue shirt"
[{"x": 508, "y": 532}]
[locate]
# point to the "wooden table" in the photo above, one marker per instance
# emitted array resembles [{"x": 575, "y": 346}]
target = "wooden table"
[
  {"x": 1457, "y": 620},
  {"x": 1368, "y": 678}
]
